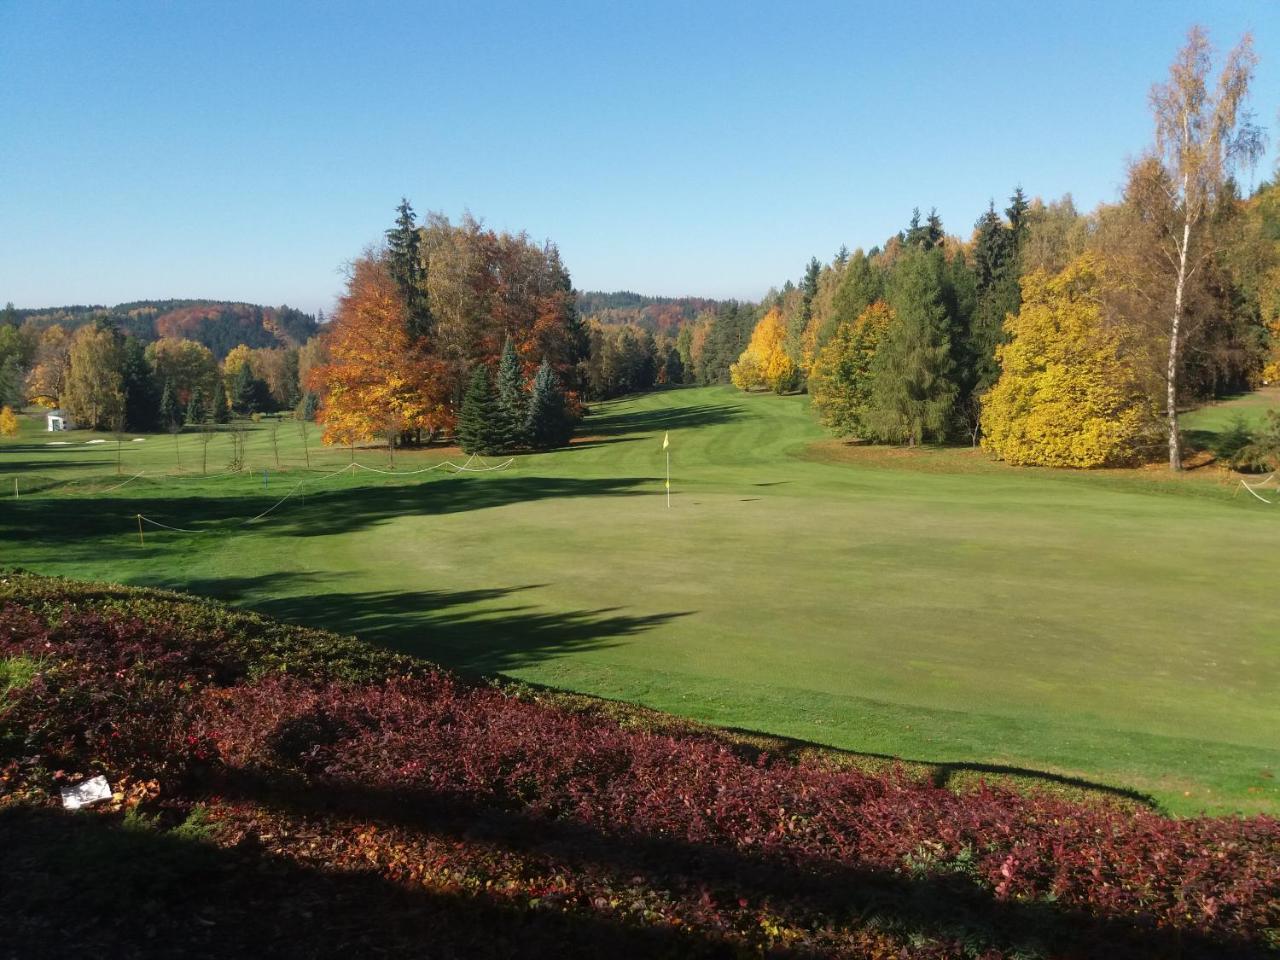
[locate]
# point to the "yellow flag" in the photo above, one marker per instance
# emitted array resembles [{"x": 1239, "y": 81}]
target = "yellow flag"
[{"x": 666, "y": 440}]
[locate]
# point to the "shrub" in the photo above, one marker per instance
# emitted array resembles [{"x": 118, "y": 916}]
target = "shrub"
[{"x": 382, "y": 760}]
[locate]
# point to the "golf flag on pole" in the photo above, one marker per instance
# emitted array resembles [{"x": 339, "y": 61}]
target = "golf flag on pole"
[{"x": 666, "y": 443}]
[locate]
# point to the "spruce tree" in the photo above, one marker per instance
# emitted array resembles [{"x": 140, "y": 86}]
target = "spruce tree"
[
  {"x": 141, "y": 399},
  {"x": 479, "y": 427},
  {"x": 220, "y": 413},
  {"x": 913, "y": 397},
  {"x": 404, "y": 263},
  {"x": 170, "y": 414},
  {"x": 195, "y": 407},
  {"x": 548, "y": 423},
  {"x": 242, "y": 390},
  {"x": 513, "y": 402}
]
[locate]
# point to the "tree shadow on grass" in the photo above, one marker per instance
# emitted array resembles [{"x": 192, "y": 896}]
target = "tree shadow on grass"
[
  {"x": 310, "y": 511},
  {"x": 670, "y": 418},
  {"x": 462, "y": 630},
  {"x": 85, "y": 885}
]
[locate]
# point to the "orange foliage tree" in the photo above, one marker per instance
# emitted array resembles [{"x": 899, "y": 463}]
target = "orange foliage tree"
[{"x": 378, "y": 381}]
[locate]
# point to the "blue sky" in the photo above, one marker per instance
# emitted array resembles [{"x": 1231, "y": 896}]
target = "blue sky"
[{"x": 246, "y": 151}]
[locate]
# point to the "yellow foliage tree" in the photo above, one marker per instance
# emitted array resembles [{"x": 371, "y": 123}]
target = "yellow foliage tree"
[
  {"x": 841, "y": 378},
  {"x": 1069, "y": 394},
  {"x": 765, "y": 362},
  {"x": 8, "y": 423}
]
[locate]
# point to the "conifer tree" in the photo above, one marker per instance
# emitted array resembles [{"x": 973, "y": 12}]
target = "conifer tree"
[
  {"x": 242, "y": 390},
  {"x": 513, "y": 402},
  {"x": 913, "y": 396},
  {"x": 141, "y": 399},
  {"x": 479, "y": 426},
  {"x": 219, "y": 412},
  {"x": 404, "y": 263},
  {"x": 170, "y": 413},
  {"x": 548, "y": 423},
  {"x": 195, "y": 407}
]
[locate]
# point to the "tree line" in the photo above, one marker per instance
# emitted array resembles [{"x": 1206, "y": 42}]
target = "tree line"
[
  {"x": 430, "y": 318},
  {"x": 1048, "y": 335},
  {"x": 107, "y": 379}
]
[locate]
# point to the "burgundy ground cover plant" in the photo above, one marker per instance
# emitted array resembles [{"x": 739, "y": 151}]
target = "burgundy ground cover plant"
[{"x": 434, "y": 783}]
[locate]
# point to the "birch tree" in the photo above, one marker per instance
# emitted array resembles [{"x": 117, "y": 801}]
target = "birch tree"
[{"x": 1202, "y": 134}]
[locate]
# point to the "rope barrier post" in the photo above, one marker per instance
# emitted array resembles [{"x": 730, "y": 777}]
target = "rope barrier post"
[{"x": 141, "y": 542}]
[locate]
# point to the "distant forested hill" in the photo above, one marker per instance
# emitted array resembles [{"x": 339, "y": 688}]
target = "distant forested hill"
[
  {"x": 655, "y": 314},
  {"x": 219, "y": 324}
]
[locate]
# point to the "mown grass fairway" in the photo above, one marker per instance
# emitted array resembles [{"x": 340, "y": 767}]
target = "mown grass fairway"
[{"x": 1120, "y": 628}]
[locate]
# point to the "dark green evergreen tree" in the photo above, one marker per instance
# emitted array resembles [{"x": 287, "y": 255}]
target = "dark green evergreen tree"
[
  {"x": 219, "y": 412},
  {"x": 404, "y": 263},
  {"x": 672, "y": 365},
  {"x": 141, "y": 398},
  {"x": 809, "y": 288},
  {"x": 913, "y": 394},
  {"x": 548, "y": 424},
  {"x": 195, "y": 407},
  {"x": 513, "y": 402},
  {"x": 1016, "y": 212},
  {"x": 248, "y": 393},
  {"x": 170, "y": 413},
  {"x": 479, "y": 421},
  {"x": 861, "y": 285}
]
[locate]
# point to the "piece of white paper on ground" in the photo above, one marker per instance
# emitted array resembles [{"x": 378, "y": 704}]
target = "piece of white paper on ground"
[{"x": 84, "y": 794}]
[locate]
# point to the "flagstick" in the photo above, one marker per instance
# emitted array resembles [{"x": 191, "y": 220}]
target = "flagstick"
[{"x": 668, "y": 479}]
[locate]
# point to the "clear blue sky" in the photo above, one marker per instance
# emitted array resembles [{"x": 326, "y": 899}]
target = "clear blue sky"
[{"x": 245, "y": 151}]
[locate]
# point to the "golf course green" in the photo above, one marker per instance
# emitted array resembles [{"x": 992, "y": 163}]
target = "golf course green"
[{"x": 1116, "y": 628}]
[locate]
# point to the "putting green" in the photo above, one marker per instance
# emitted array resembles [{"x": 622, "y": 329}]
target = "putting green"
[{"x": 1116, "y": 627}]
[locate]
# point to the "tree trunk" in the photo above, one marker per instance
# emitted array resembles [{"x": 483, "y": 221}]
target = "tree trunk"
[{"x": 1171, "y": 373}]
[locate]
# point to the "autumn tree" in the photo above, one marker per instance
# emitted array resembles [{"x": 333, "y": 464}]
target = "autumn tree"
[
  {"x": 376, "y": 372},
  {"x": 840, "y": 382},
  {"x": 187, "y": 365},
  {"x": 765, "y": 362},
  {"x": 52, "y": 364},
  {"x": 94, "y": 390},
  {"x": 1069, "y": 394},
  {"x": 1202, "y": 133},
  {"x": 8, "y": 422},
  {"x": 913, "y": 392}
]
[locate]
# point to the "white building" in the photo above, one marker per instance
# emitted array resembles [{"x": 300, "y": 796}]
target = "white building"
[{"x": 58, "y": 420}]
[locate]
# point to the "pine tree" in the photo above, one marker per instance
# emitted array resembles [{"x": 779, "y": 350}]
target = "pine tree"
[
  {"x": 513, "y": 402},
  {"x": 479, "y": 422},
  {"x": 242, "y": 390},
  {"x": 913, "y": 396},
  {"x": 195, "y": 407},
  {"x": 404, "y": 263},
  {"x": 170, "y": 413},
  {"x": 219, "y": 412},
  {"x": 139, "y": 385},
  {"x": 548, "y": 423}
]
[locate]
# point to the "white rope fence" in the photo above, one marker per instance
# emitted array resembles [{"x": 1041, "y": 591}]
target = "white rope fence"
[
  {"x": 351, "y": 467},
  {"x": 1255, "y": 487}
]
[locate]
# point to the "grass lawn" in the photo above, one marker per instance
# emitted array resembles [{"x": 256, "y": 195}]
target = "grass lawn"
[{"x": 1116, "y": 627}]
